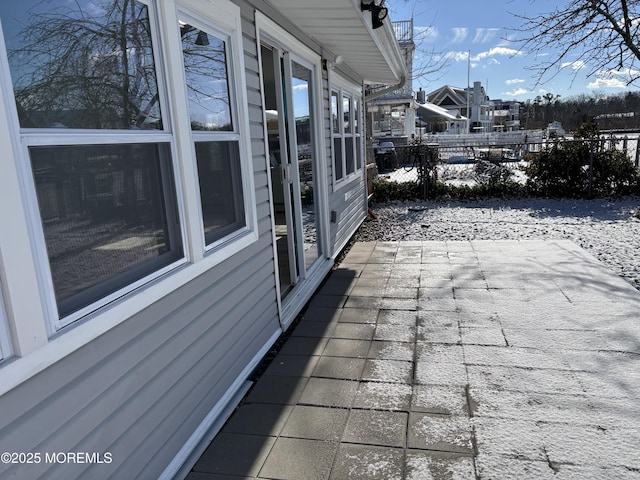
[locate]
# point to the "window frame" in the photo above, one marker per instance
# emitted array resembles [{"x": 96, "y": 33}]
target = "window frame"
[
  {"x": 5, "y": 343},
  {"x": 353, "y": 94},
  {"x": 34, "y": 327},
  {"x": 188, "y": 10}
]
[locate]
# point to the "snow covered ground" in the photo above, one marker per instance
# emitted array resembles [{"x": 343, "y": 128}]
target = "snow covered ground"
[{"x": 606, "y": 228}]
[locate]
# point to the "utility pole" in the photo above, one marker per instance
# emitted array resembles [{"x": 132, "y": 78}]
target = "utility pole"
[{"x": 468, "y": 86}]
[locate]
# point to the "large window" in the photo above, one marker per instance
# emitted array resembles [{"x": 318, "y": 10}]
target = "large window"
[
  {"x": 213, "y": 128},
  {"x": 93, "y": 108},
  {"x": 108, "y": 215},
  {"x": 347, "y": 137}
]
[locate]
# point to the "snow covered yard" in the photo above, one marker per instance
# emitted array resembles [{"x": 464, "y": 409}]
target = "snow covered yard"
[{"x": 607, "y": 228}]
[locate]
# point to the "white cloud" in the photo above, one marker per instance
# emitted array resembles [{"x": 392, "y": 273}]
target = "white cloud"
[
  {"x": 625, "y": 72},
  {"x": 457, "y": 56},
  {"x": 575, "y": 66},
  {"x": 516, "y": 93},
  {"x": 496, "y": 51},
  {"x": 459, "y": 34},
  {"x": 601, "y": 83},
  {"x": 514, "y": 81},
  {"x": 484, "y": 35},
  {"x": 425, "y": 33}
]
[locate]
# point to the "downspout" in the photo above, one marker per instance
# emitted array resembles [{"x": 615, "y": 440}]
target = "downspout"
[{"x": 386, "y": 90}]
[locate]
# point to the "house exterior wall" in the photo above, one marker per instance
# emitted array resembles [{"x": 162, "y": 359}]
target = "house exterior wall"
[{"x": 135, "y": 393}]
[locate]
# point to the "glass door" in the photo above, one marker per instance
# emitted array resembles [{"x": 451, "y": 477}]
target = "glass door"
[{"x": 288, "y": 92}]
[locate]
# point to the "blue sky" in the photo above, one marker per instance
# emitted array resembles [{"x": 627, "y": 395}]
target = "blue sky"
[{"x": 457, "y": 27}]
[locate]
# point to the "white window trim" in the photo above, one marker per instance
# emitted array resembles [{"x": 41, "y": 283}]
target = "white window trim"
[
  {"x": 353, "y": 91},
  {"x": 5, "y": 344},
  {"x": 231, "y": 34},
  {"x": 33, "y": 340}
]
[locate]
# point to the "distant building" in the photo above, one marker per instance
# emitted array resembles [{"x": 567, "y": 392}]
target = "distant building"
[
  {"x": 506, "y": 115},
  {"x": 393, "y": 114},
  {"x": 484, "y": 114}
]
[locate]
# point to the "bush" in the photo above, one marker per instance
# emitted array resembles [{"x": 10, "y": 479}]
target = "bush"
[
  {"x": 385, "y": 191},
  {"x": 564, "y": 169},
  {"x": 559, "y": 171}
]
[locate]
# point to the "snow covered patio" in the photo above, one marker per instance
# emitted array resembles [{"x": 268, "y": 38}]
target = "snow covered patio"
[{"x": 449, "y": 360}]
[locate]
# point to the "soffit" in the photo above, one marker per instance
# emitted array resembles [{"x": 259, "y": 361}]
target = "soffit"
[{"x": 340, "y": 27}]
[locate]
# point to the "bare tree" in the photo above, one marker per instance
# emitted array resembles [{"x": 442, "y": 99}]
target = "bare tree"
[{"x": 600, "y": 36}]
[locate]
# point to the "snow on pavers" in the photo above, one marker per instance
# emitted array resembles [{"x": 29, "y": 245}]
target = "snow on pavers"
[
  {"x": 456, "y": 360},
  {"x": 527, "y": 359}
]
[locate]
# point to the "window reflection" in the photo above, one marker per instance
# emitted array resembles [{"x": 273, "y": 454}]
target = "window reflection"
[
  {"x": 82, "y": 64},
  {"x": 107, "y": 217},
  {"x": 220, "y": 188},
  {"x": 205, "y": 66}
]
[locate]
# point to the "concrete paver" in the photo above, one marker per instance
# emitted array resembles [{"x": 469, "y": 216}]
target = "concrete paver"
[{"x": 449, "y": 360}]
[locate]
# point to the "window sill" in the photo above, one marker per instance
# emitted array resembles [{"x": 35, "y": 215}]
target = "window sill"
[{"x": 348, "y": 180}]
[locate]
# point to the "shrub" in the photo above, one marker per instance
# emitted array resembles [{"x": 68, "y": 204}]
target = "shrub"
[
  {"x": 564, "y": 170},
  {"x": 559, "y": 171},
  {"x": 384, "y": 191}
]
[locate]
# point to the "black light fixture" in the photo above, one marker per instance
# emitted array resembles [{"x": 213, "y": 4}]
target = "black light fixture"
[{"x": 378, "y": 12}]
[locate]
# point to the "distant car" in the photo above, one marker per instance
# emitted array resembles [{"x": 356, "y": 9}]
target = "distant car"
[
  {"x": 385, "y": 148},
  {"x": 385, "y": 154}
]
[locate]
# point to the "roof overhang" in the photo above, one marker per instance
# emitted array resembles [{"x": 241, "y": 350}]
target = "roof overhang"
[
  {"x": 340, "y": 27},
  {"x": 438, "y": 111}
]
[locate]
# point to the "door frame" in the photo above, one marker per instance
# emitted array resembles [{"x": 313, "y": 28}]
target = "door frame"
[{"x": 270, "y": 33}]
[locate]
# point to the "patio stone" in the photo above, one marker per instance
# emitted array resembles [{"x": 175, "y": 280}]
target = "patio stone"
[
  {"x": 395, "y": 333},
  {"x": 360, "y": 462},
  {"x": 315, "y": 423},
  {"x": 387, "y": 396},
  {"x": 439, "y": 432},
  {"x": 383, "y": 350},
  {"x": 313, "y": 329},
  {"x": 429, "y": 373},
  {"x": 235, "y": 454},
  {"x": 320, "y": 314},
  {"x": 292, "y": 365},
  {"x": 376, "y": 428},
  {"x": 354, "y": 331},
  {"x": 277, "y": 389},
  {"x": 258, "y": 419},
  {"x": 339, "y": 368},
  {"x": 340, "y": 347},
  {"x": 329, "y": 392},
  {"x": 421, "y": 465},
  {"x": 390, "y": 371},
  {"x": 449, "y": 335},
  {"x": 397, "y": 317},
  {"x": 359, "y": 315},
  {"x": 303, "y": 346},
  {"x": 440, "y": 399},
  {"x": 295, "y": 458}
]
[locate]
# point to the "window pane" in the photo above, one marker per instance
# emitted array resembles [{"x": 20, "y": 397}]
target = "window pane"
[
  {"x": 358, "y": 152},
  {"x": 205, "y": 66},
  {"x": 348, "y": 148},
  {"x": 220, "y": 188},
  {"x": 337, "y": 148},
  {"x": 108, "y": 214},
  {"x": 334, "y": 113},
  {"x": 82, "y": 64},
  {"x": 356, "y": 116},
  {"x": 346, "y": 114}
]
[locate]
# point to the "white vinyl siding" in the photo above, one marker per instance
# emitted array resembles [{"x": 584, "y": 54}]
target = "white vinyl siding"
[{"x": 110, "y": 197}]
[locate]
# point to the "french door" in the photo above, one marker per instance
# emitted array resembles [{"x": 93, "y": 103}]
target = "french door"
[{"x": 289, "y": 89}]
